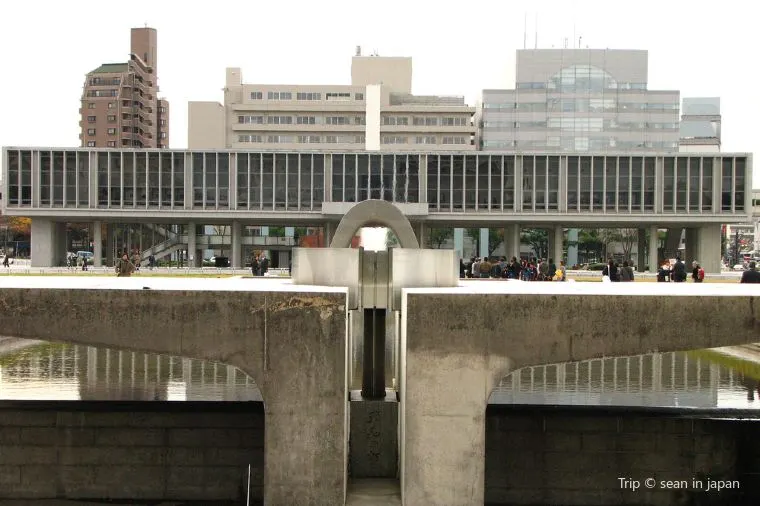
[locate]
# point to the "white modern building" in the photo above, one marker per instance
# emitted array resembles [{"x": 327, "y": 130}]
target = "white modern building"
[
  {"x": 377, "y": 111},
  {"x": 247, "y": 189}
]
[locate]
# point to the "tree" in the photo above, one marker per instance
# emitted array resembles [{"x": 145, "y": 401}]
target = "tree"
[
  {"x": 438, "y": 236},
  {"x": 19, "y": 225},
  {"x": 537, "y": 239},
  {"x": 628, "y": 238},
  {"x": 608, "y": 236},
  {"x": 495, "y": 238},
  {"x": 391, "y": 241},
  {"x": 588, "y": 241}
]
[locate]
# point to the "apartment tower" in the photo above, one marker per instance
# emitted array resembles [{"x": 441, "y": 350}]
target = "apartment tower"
[{"x": 120, "y": 103}]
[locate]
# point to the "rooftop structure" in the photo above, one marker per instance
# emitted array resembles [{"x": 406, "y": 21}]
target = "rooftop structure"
[{"x": 700, "y": 125}]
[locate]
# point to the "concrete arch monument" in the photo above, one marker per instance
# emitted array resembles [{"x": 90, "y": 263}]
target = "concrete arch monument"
[{"x": 374, "y": 213}]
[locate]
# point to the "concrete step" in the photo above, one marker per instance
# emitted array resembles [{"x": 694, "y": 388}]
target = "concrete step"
[{"x": 374, "y": 492}]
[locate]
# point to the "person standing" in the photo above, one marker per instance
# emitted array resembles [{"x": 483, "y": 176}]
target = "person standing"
[
  {"x": 124, "y": 268},
  {"x": 751, "y": 275}
]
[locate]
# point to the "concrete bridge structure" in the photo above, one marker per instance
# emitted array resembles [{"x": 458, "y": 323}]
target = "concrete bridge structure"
[{"x": 455, "y": 344}]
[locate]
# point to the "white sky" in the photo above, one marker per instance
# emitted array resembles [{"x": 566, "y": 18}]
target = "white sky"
[{"x": 459, "y": 48}]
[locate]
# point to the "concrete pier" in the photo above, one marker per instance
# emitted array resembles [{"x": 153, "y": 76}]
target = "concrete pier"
[
  {"x": 460, "y": 342},
  {"x": 290, "y": 339}
]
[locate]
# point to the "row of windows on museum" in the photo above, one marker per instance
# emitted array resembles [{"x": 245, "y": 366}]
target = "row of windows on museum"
[
  {"x": 351, "y": 139},
  {"x": 454, "y": 182},
  {"x": 580, "y": 125},
  {"x": 554, "y": 143},
  {"x": 448, "y": 121},
  {"x": 579, "y": 105}
]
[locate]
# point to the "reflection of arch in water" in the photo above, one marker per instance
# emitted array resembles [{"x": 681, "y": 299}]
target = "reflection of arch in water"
[
  {"x": 656, "y": 379},
  {"x": 127, "y": 375},
  {"x": 107, "y": 374},
  {"x": 374, "y": 213}
]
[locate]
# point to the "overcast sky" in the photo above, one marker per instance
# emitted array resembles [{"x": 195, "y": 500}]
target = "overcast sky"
[{"x": 459, "y": 48}]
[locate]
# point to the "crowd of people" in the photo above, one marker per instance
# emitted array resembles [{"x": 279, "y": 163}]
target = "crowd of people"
[{"x": 533, "y": 269}]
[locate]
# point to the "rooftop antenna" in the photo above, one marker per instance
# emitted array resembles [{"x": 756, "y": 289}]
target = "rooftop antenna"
[
  {"x": 358, "y": 50},
  {"x": 573, "y": 35},
  {"x": 579, "y": 41},
  {"x": 525, "y": 32},
  {"x": 536, "y": 43}
]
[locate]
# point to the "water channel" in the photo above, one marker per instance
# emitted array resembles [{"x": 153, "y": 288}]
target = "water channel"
[{"x": 727, "y": 378}]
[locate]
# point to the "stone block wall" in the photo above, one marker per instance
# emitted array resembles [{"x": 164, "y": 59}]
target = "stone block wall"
[
  {"x": 151, "y": 451},
  {"x": 577, "y": 457}
]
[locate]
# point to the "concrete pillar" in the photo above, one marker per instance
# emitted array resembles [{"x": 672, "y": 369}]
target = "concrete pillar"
[
  {"x": 110, "y": 231},
  {"x": 654, "y": 243},
  {"x": 691, "y": 252},
  {"x": 483, "y": 250},
  {"x": 673, "y": 241},
  {"x": 556, "y": 252},
  {"x": 641, "y": 242},
  {"x": 459, "y": 242},
  {"x": 328, "y": 230},
  {"x": 512, "y": 241},
  {"x": 97, "y": 243},
  {"x": 48, "y": 239},
  {"x": 572, "y": 246},
  {"x": 421, "y": 234},
  {"x": 709, "y": 249},
  {"x": 235, "y": 234},
  {"x": 549, "y": 243},
  {"x": 441, "y": 429},
  {"x": 192, "y": 249}
]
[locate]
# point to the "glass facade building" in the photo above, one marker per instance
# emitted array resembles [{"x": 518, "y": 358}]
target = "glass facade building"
[
  {"x": 262, "y": 182},
  {"x": 580, "y": 100}
]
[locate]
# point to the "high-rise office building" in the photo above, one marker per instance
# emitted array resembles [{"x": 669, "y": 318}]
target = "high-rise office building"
[
  {"x": 377, "y": 111},
  {"x": 700, "y": 125},
  {"x": 120, "y": 103},
  {"x": 580, "y": 100}
]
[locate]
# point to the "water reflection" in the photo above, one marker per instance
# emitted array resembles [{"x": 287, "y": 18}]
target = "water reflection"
[
  {"x": 701, "y": 379},
  {"x": 68, "y": 372}
]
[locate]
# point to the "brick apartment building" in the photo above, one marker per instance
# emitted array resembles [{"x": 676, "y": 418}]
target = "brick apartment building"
[{"x": 120, "y": 103}]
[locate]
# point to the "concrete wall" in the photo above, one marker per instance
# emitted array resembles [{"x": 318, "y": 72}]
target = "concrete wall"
[
  {"x": 293, "y": 344},
  {"x": 130, "y": 451},
  {"x": 458, "y": 346},
  {"x": 205, "y": 125},
  {"x": 567, "y": 456}
]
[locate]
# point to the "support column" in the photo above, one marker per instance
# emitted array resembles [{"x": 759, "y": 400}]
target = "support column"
[
  {"x": 641, "y": 261},
  {"x": 549, "y": 243},
  {"x": 235, "y": 261},
  {"x": 572, "y": 247},
  {"x": 192, "y": 249},
  {"x": 97, "y": 243},
  {"x": 691, "y": 252},
  {"x": 673, "y": 241},
  {"x": 483, "y": 249},
  {"x": 48, "y": 240},
  {"x": 512, "y": 236},
  {"x": 459, "y": 242},
  {"x": 709, "y": 249},
  {"x": 556, "y": 253},
  {"x": 110, "y": 231},
  {"x": 654, "y": 244},
  {"x": 328, "y": 230},
  {"x": 422, "y": 234}
]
